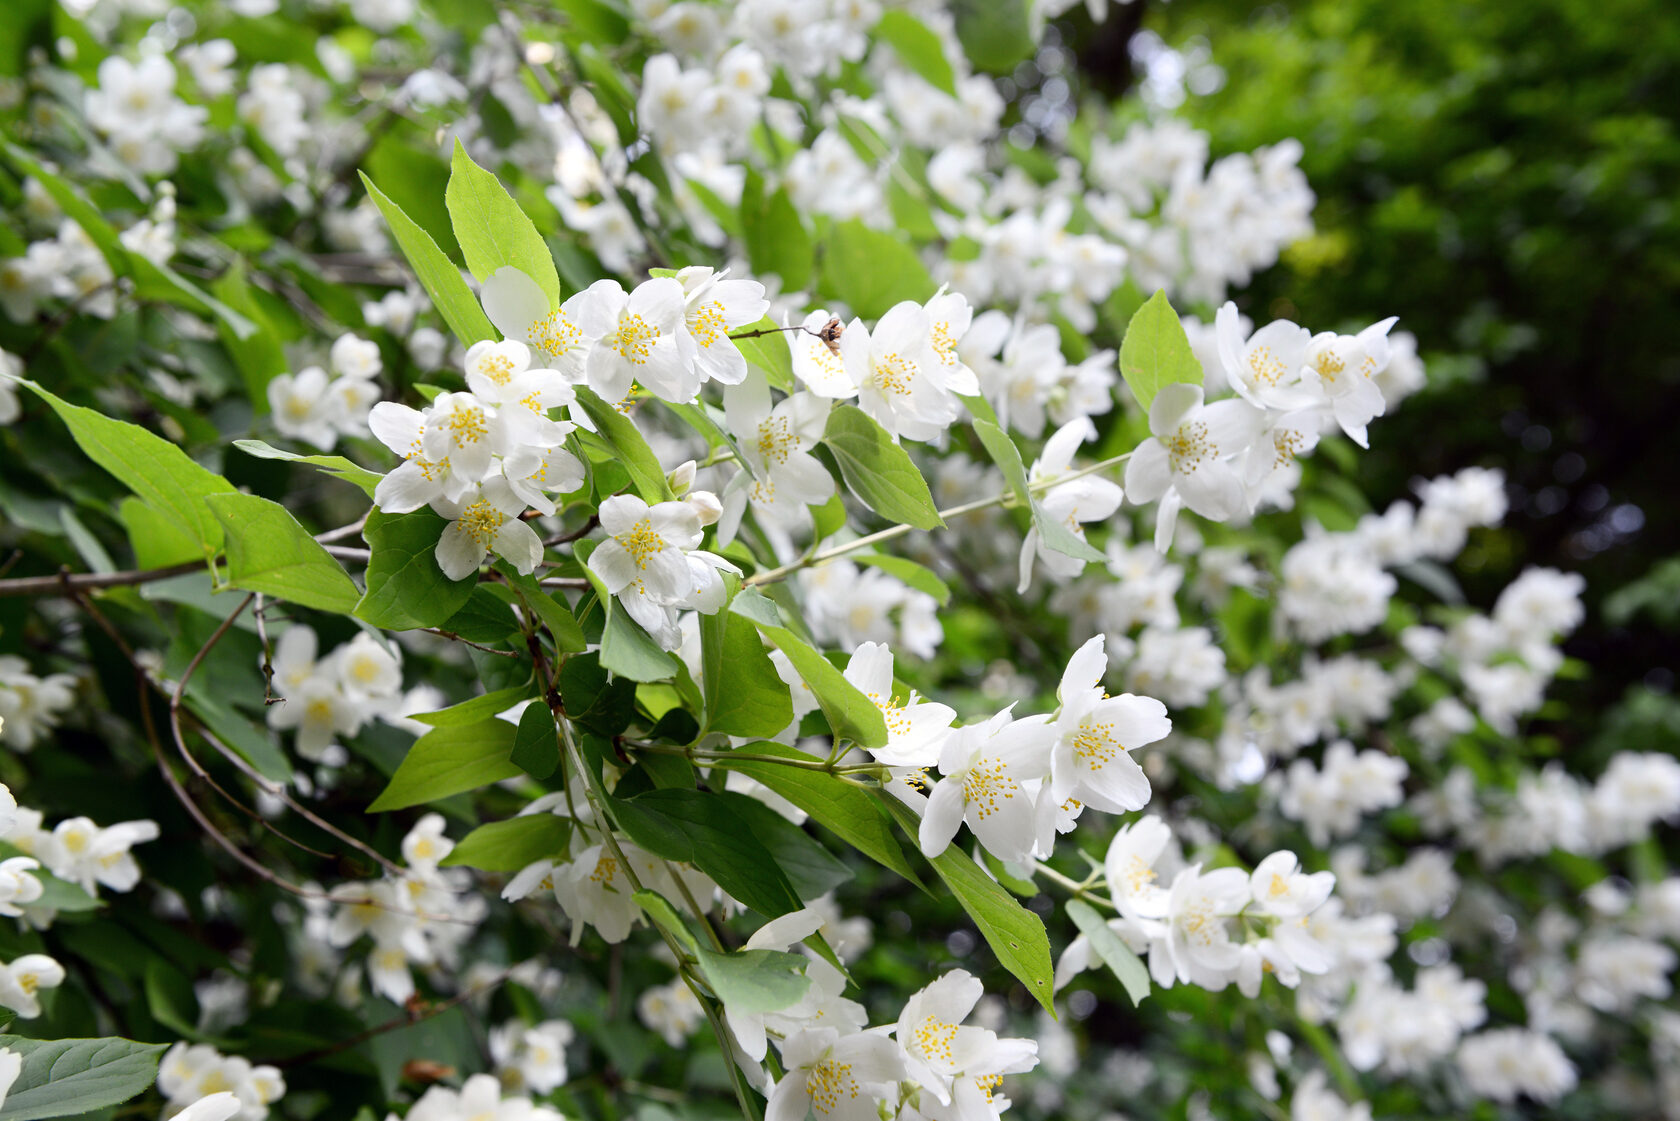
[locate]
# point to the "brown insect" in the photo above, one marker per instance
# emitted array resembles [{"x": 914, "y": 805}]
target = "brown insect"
[{"x": 830, "y": 333}]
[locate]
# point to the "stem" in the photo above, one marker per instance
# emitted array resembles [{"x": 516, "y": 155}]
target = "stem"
[
  {"x": 1006, "y": 499},
  {"x": 67, "y": 584},
  {"x": 1079, "y": 889}
]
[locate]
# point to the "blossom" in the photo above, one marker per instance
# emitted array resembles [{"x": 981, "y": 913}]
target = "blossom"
[
  {"x": 1186, "y": 460},
  {"x": 634, "y": 339},
  {"x": 714, "y": 305},
  {"x": 833, "y": 1076},
  {"x": 1086, "y": 499},
  {"x": 990, "y": 777},
  {"x": 485, "y": 520},
  {"x": 22, "y": 980},
  {"x": 779, "y": 475},
  {"x": 1091, "y": 761}
]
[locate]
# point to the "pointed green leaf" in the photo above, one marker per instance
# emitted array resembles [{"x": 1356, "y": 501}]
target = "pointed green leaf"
[
  {"x": 852, "y": 715},
  {"x": 536, "y": 744},
  {"x": 508, "y": 846},
  {"x": 919, "y": 48},
  {"x": 62, "y": 1077},
  {"x": 705, "y": 830},
  {"x": 335, "y": 465},
  {"x": 450, "y": 760},
  {"x": 1114, "y": 952},
  {"x": 494, "y": 233},
  {"x": 743, "y": 694},
  {"x": 879, "y": 471},
  {"x": 754, "y": 980},
  {"x": 437, "y": 274},
  {"x": 405, "y": 586},
  {"x": 1156, "y": 351},
  {"x": 269, "y": 552}
]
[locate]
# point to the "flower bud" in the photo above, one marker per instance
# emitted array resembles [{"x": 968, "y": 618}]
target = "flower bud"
[
  {"x": 682, "y": 477},
  {"x": 705, "y": 504}
]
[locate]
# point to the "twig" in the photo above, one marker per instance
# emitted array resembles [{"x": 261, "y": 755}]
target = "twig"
[
  {"x": 268, "y": 657},
  {"x": 68, "y": 584},
  {"x": 453, "y": 637},
  {"x": 573, "y": 535}
]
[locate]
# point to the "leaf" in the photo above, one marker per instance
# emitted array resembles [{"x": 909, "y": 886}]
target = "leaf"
[
  {"x": 494, "y": 233},
  {"x": 602, "y": 705},
  {"x": 908, "y": 571},
  {"x": 705, "y": 830},
  {"x": 754, "y": 980},
  {"x": 919, "y": 48},
  {"x": 1000, "y": 447},
  {"x": 665, "y": 917},
  {"x": 743, "y": 694},
  {"x": 472, "y": 711},
  {"x": 335, "y": 465},
  {"x": 437, "y": 274},
  {"x": 846, "y": 810},
  {"x": 1015, "y": 934},
  {"x": 1058, "y": 535},
  {"x": 157, "y": 540},
  {"x": 536, "y": 743},
  {"x": 996, "y": 35},
  {"x": 879, "y": 471},
  {"x": 777, "y": 241},
  {"x": 258, "y": 356},
  {"x": 405, "y": 586},
  {"x": 159, "y": 472},
  {"x": 269, "y": 552},
  {"x": 254, "y": 744},
  {"x": 450, "y": 760},
  {"x": 872, "y": 270},
  {"x": 61, "y": 1077},
  {"x": 851, "y": 715},
  {"x": 551, "y": 611},
  {"x": 485, "y": 618},
  {"x": 1115, "y": 953},
  {"x": 768, "y": 352},
  {"x": 508, "y": 846},
  {"x": 632, "y": 447},
  {"x": 1156, "y": 351},
  {"x": 810, "y": 868}
]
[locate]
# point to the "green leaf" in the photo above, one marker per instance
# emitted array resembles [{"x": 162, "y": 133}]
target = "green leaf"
[
  {"x": 494, "y": 233},
  {"x": 754, "y": 980},
  {"x": 61, "y": 1077},
  {"x": 872, "y": 270},
  {"x": 811, "y": 869},
  {"x": 846, "y": 810},
  {"x": 996, "y": 35},
  {"x": 777, "y": 241},
  {"x": 1155, "y": 351},
  {"x": 485, "y": 618},
  {"x": 1000, "y": 447},
  {"x": 158, "y": 541},
  {"x": 438, "y": 275},
  {"x": 705, "y": 830},
  {"x": 879, "y": 471},
  {"x": 551, "y": 611},
  {"x": 536, "y": 743},
  {"x": 254, "y": 744},
  {"x": 1015, "y": 934},
  {"x": 743, "y": 694},
  {"x": 632, "y": 447},
  {"x": 1112, "y": 949},
  {"x": 159, "y": 472},
  {"x": 911, "y": 573},
  {"x": 450, "y": 760},
  {"x": 258, "y": 356},
  {"x": 665, "y": 917},
  {"x": 508, "y": 846},
  {"x": 1060, "y": 536},
  {"x": 269, "y": 552},
  {"x": 604, "y": 706},
  {"x": 472, "y": 711},
  {"x": 769, "y": 352},
  {"x": 335, "y": 465},
  {"x": 405, "y": 586},
  {"x": 851, "y": 715},
  {"x": 919, "y": 48}
]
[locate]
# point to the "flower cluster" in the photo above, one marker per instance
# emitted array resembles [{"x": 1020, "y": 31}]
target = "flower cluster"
[
  {"x": 317, "y": 408},
  {"x": 324, "y": 697},
  {"x": 191, "y": 1075}
]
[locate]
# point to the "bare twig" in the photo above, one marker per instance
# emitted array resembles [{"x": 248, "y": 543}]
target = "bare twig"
[{"x": 67, "y": 584}]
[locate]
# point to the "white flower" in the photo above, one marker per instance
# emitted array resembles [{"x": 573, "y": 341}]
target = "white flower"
[
  {"x": 1129, "y": 868},
  {"x": 531, "y": 1058},
  {"x": 833, "y": 1076},
  {"x": 1086, "y": 499},
  {"x": 990, "y": 777},
  {"x": 462, "y": 429},
  {"x": 712, "y": 307},
  {"x": 1186, "y": 460},
  {"x": 303, "y": 408},
  {"x": 501, "y": 374},
  {"x": 1091, "y": 761},
  {"x": 901, "y": 381},
  {"x": 520, "y": 310},
  {"x": 483, "y": 520},
  {"x": 425, "y": 845},
  {"x": 1345, "y": 368},
  {"x": 1507, "y": 1063},
  {"x": 916, "y": 729},
  {"x": 634, "y": 339},
  {"x": 17, "y": 886},
  {"x": 21, "y": 983},
  {"x": 780, "y": 477},
  {"x": 1199, "y": 950},
  {"x": 1267, "y": 369},
  {"x": 935, "y": 1044},
  {"x": 1280, "y": 888},
  {"x": 420, "y": 479}
]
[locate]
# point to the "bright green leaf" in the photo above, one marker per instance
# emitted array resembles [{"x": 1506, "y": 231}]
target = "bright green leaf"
[
  {"x": 755, "y": 980},
  {"x": 852, "y": 715},
  {"x": 269, "y": 552},
  {"x": 1156, "y": 351},
  {"x": 777, "y": 240},
  {"x": 438, "y": 275},
  {"x": 335, "y": 465},
  {"x": 450, "y": 760},
  {"x": 405, "y": 586},
  {"x": 632, "y": 447},
  {"x": 871, "y": 270},
  {"x": 508, "y": 846},
  {"x": 743, "y": 694},
  {"x": 494, "y": 233},
  {"x": 919, "y": 48},
  {"x": 475, "y": 709},
  {"x": 879, "y": 471}
]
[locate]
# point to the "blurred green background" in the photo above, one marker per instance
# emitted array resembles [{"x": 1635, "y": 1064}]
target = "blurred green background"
[{"x": 1504, "y": 177}]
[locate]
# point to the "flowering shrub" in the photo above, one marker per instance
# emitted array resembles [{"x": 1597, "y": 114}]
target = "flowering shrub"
[{"x": 581, "y": 684}]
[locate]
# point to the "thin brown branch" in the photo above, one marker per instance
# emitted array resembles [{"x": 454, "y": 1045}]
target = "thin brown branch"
[{"x": 67, "y": 584}]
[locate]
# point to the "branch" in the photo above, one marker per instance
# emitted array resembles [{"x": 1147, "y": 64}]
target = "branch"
[{"x": 68, "y": 583}]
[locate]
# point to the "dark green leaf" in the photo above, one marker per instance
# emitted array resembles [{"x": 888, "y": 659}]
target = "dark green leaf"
[
  {"x": 536, "y": 744},
  {"x": 405, "y": 586},
  {"x": 450, "y": 760},
  {"x": 508, "y": 846},
  {"x": 852, "y": 715},
  {"x": 62, "y": 1077},
  {"x": 704, "y": 830},
  {"x": 743, "y": 694}
]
